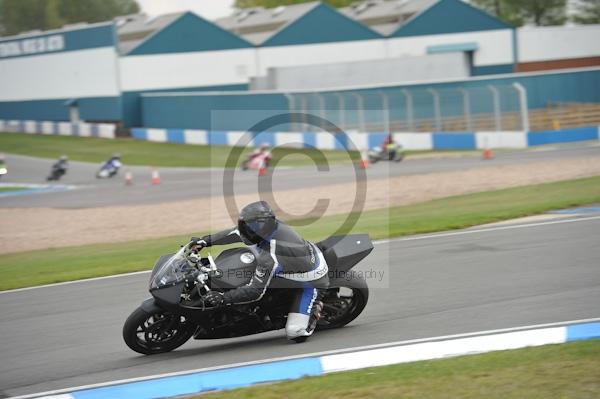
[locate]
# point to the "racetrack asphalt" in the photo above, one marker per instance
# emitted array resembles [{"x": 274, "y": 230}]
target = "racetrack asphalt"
[
  {"x": 189, "y": 183},
  {"x": 456, "y": 282}
]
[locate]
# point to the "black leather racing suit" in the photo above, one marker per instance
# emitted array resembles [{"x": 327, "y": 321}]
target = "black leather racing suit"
[{"x": 286, "y": 255}]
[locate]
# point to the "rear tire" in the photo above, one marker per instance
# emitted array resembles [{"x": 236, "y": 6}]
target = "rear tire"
[
  {"x": 355, "y": 305},
  {"x": 158, "y": 332}
]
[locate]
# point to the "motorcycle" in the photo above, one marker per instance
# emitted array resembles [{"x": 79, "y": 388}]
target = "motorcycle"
[
  {"x": 257, "y": 161},
  {"x": 392, "y": 152},
  {"x": 108, "y": 170},
  {"x": 56, "y": 172},
  {"x": 176, "y": 312}
]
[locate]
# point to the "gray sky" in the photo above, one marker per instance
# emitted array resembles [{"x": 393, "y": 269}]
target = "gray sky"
[{"x": 209, "y": 9}]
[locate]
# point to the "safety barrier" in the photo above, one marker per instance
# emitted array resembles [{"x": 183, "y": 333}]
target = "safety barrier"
[
  {"x": 102, "y": 130},
  {"x": 356, "y": 140},
  {"x": 320, "y": 140},
  {"x": 243, "y": 375}
]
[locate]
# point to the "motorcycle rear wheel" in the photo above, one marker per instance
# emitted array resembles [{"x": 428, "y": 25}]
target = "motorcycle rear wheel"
[
  {"x": 346, "y": 305},
  {"x": 158, "y": 332}
]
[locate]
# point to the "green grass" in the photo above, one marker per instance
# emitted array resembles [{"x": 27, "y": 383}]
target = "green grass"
[
  {"x": 5, "y": 189},
  {"x": 31, "y": 268},
  {"x": 137, "y": 152},
  {"x": 566, "y": 371}
]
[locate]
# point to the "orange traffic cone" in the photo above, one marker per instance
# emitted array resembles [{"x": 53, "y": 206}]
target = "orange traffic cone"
[
  {"x": 155, "y": 177},
  {"x": 487, "y": 154},
  {"x": 364, "y": 159},
  {"x": 128, "y": 178},
  {"x": 263, "y": 169}
]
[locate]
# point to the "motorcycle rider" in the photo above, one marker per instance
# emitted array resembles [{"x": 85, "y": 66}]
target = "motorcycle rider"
[
  {"x": 264, "y": 151},
  {"x": 280, "y": 252},
  {"x": 3, "y": 168},
  {"x": 62, "y": 164},
  {"x": 389, "y": 147},
  {"x": 59, "y": 168},
  {"x": 114, "y": 162}
]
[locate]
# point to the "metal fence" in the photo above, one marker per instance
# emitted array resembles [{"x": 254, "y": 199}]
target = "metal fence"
[{"x": 489, "y": 108}]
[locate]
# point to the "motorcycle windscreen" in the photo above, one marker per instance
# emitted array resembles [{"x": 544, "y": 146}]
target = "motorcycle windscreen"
[{"x": 172, "y": 271}]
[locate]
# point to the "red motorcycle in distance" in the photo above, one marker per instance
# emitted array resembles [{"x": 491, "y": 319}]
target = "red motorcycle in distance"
[{"x": 258, "y": 160}]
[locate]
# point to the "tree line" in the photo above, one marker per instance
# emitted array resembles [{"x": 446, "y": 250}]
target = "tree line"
[{"x": 26, "y": 15}]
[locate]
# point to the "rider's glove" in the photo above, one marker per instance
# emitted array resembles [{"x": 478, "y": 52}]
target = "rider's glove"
[
  {"x": 199, "y": 242},
  {"x": 195, "y": 245},
  {"x": 213, "y": 298}
]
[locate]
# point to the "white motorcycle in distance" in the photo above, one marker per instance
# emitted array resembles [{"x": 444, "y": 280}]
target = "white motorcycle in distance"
[
  {"x": 110, "y": 167},
  {"x": 392, "y": 152},
  {"x": 3, "y": 168}
]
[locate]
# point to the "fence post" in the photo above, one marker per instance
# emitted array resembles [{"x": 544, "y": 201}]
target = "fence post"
[
  {"x": 321, "y": 108},
  {"x": 342, "y": 105},
  {"x": 496, "y": 98},
  {"x": 304, "y": 110},
  {"x": 467, "y": 109},
  {"x": 361, "y": 111},
  {"x": 436, "y": 109},
  {"x": 523, "y": 105},
  {"x": 291, "y": 107},
  {"x": 385, "y": 105},
  {"x": 410, "y": 120}
]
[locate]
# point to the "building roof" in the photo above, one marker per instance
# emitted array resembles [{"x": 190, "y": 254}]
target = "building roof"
[
  {"x": 315, "y": 22},
  {"x": 386, "y": 16},
  {"x": 174, "y": 33},
  {"x": 133, "y": 29},
  {"x": 259, "y": 24}
]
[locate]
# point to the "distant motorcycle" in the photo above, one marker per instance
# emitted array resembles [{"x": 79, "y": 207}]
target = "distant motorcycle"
[
  {"x": 257, "y": 161},
  {"x": 109, "y": 169},
  {"x": 59, "y": 169},
  {"x": 3, "y": 169},
  {"x": 392, "y": 152},
  {"x": 56, "y": 173}
]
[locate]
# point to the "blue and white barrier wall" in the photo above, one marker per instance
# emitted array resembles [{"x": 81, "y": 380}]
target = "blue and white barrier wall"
[
  {"x": 82, "y": 129},
  {"x": 410, "y": 141},
  {"x": 247, "y": 374}
]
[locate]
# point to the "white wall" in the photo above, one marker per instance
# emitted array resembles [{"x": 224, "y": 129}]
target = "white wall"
[
  {"x": 495, "y": 46},
  {"x": 373, "y": 72},
  {"x": 180, "y": 70},
  {"x": 69, "y": 74},
  {"x": 558, "y": 42},
  {"x": 321, "y": 53}
]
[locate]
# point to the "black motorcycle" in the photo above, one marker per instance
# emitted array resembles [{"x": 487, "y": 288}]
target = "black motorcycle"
[
  {"x": 56, "y": 172},
  {"x": 178, "y": 281}
]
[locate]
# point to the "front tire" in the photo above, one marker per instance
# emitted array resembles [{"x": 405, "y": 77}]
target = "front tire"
[{"x": 157, "y": 332}]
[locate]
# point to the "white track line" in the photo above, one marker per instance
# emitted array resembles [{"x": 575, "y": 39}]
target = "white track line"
[
  {"x": 75, "y": 282},
  {"x": 498, "y": 228},
  {"x": 307, "y": 355},
  {"x": 414, "y": 238}
]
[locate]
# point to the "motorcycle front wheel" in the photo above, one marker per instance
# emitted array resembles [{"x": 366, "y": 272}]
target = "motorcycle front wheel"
[{"x": 158, "y": 332}]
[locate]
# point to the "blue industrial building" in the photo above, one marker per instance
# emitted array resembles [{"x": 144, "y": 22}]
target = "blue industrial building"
[{"x": 131, "y": 71}]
